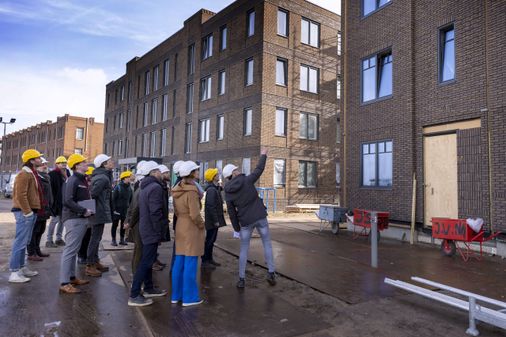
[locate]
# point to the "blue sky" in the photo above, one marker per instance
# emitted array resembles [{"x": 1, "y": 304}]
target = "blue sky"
[{"x": 57, "y": 55}]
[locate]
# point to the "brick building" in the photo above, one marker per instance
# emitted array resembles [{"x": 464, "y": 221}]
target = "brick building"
[
  {"x": 424, "y": 98},
  {"x": 258, "y": 73},
  {"x": 69, "y": 134}
]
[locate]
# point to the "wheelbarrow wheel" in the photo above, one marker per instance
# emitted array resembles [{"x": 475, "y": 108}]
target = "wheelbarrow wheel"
[
  {"x": 335, "y": 228},
  {"x": 448, "y": 247}
]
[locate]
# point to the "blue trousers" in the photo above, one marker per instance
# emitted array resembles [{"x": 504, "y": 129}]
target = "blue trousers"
[
  {"x": 144, "y": 271},
  {"x": 24, "y": 228},
  {"x": 184, "y": 279}
]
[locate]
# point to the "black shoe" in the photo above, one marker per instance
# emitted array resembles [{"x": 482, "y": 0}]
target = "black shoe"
[
  {"x": 241, "y": 283},
  {"x": 217, "y": 264},
  {"x": 41, "y": 254},
  {"x": 271, "y": 278},
  {"x": 122, "y": 242},
  {"x": 60, "y": 242},
  {"x": 113, "y": 243},
  {"x": 208, "y": 265}
]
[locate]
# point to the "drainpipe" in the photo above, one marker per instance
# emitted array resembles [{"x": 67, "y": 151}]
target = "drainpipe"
[
  {"x": 344, "y": 77},
  {"x": 489, "y": 130}
]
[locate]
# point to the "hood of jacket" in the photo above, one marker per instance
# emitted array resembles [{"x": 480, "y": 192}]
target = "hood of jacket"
[
  {"x": 180, "y": 189},
  {"x": 211, "y": 185},
  {"x": 235, "y": 185},
  {"x": 102, "y": 171},
  {"x": 148, "y": 181}
]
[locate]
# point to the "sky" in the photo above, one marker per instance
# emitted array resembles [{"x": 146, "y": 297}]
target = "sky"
[{"x": 58, "y": 55}]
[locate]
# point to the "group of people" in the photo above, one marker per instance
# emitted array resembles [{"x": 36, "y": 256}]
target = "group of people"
[{"x": 83, "y": 199}]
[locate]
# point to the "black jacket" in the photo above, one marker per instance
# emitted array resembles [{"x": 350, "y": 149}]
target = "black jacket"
[
  {"x": 132, "y": 217},
  {"x": 153, "y": 216},
  {"x": 57, "y": 182},
  {"x": 101, "y": 188},
  {"x": 243, "y": 203},
  {"x": 75, "y": 189},
  {"x": 214, "y": 207},
  {"x": 121, "y": 199},
  {"x": 45, "y": 212}
]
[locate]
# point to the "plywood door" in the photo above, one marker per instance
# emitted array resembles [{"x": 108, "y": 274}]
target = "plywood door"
[{"x": 440, "y": 173}]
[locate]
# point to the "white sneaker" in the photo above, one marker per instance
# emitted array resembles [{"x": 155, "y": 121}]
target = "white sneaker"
[
  {"x": 18, "y": 277},
  {"x": 192, "y": 303},
  {"x": 28, "y": 273}
]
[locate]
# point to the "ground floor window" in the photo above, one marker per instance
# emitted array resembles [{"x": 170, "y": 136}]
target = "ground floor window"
[
  {"x": 377, "y": 160},
  {"x": 307, "y": 174}
]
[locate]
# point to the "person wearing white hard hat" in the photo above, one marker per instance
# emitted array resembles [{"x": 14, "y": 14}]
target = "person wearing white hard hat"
[
  {"x": 190, "y": 234},
  {"x": 247, "y": 212},
  {"x": 164, "y": 170},
  {"x": 101, "y": 191}
]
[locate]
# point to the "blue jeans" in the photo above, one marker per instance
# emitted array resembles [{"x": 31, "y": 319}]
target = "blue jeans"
[
  {"x": 144, "y": 272},
  {"x": 262, "y": 227},
  {"x": 24, "y": 228},
  {"x": 184, "y": 279}
]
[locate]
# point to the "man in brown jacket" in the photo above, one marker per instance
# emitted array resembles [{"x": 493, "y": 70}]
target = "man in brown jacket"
[{"x": 26, "y": 202}]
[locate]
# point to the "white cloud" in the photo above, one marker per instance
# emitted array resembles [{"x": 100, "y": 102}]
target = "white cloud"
[{"x": 32, "y": 96}]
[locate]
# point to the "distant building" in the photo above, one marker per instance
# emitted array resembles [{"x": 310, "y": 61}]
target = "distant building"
[{"x": 258, "y": 73}]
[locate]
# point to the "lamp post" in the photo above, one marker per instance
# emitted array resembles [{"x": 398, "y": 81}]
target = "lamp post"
[{"x": 12, "y": 121}]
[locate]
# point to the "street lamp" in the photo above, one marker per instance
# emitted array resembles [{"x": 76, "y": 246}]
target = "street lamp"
[{"x": 12, "y": 121}]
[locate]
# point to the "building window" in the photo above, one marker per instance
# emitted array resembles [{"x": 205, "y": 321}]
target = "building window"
[
  {"x": 338, "y": 174},
  {"x": 222, "y": 77},
  {"x": 122, "y": 93},
  {"x": 223, "y": 37},
  {"x": 155, "y": 78},
  {"x": 153, "y": 144},
  {"x": 163, "y": 143},
  {"x": 308, "y": 126},
  {"x": 120, "y": 148},
  {"x": 249, "y": 72},
  {"x": 338, "y": 87},
  {"x": 145, "y": 115},
  {"x": 338, "y": 131},
  {"x": 251, "y": 22},
  {"x": 281, "y": 71},
  {"x": 145, "y": 144},
  {"x": 282, "y": 22},
  {"x": 204, "y": 125},
  {"x": 377, "y": 81},
  {"x": 307, "y": 174},
  {"x": 191, "y": 59},
  {"x": 207, "y": 47},
  {"x": 79, "y": 133},
  {"x": 146, "y": 83},
  {"x": 205, "y": 88},
  {"x": 220, "y": 127},
  {"x": 280, "y": 127},
  {"x": 377, "y": 163},
  {"x": 246, "y": 166},
  {"x": 447, "y": 54},
  {"x": 309, "y": 78},
  {"x": 154, "y": 111},
  {"x": 339, "y": 42},
  {"x": 188, "y": 138},
  {"x": 78, "y": 151},
  {"x": 279, "y": 177},
  {"x": 121, "y": 120},
  {"x": 310, "y": 32},
  {"x": 165, "y": 107},
  {"x": 248, "y": 121},
  {"x": 189, "y": 99},
  {"x": 369, "y": 6},
  {"x": 166, "y": 71}
]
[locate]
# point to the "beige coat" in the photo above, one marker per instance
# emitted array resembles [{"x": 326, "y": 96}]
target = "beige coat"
[
  {"x": 190, "y": 229},
  {"x": 25, "y": 195}
]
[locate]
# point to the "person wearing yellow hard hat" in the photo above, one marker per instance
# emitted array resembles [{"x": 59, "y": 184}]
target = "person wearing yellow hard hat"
[
  {"x": 89, "y": 172},
  {"x": 214, "y": 216},
  {"x": 26, "y": 201},
  {"x": 58, "y": 177},
  {"x": 121, "y": 199}
]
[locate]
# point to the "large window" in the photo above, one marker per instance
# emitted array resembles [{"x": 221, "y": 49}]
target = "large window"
[
  {"x": 280, "y": 128},
  {"x": 79, "y": 133},
  {"x": 165, "y": 107},
  {"x": 338, "y": 87},
  {"x": 145, "y": 144},
  {"x": 223, "y": 37},
  {"x": 339, "y": 42},
  {"x": 205, "y": 88},
  {"x": 447, "y": 54},
  {"x": 248, "y": 121},
  {"x": 377, "y": 81},
  {"x": 369, "y": 6},
  {"x": 163, "y": 142},
  {"x": 188, "y": 138},
  {"x": 308, "y": 126},
  {"x": 309, "y": 78},
  {"x": 222, "y": 80},
  {"x": 166, "y": 70},
  {"x": 307, "y": 174},
  {"x": 249, "y": 72},
  {"x": 207, "y": 47},
  {"x": 250, "y": 22},
  {"x": 189, "y": 98},
  {"x": 145, "y": 115},
  {"x": 279, "y": 173},
  {"x": 191, "y": 59},
  {"x": 377, "y": 163},
  {"x": 204, "y": 126},
  {"x": 310, "y": 32},
  {"x": 153, "y": 144},
  {"x": 220, "y": 127},
  {"x": 121, "y": 120},
  {"x": 282, "y": 22},
  {"x": 154, "y": 111},
  {"x": 120, "y": 148},
  {"x": 281, "y": 71},
  {"x": 155, "y": 78},
  {"x": 146, "y": 82}
]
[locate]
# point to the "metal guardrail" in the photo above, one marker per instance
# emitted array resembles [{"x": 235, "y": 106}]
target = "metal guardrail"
[{"x": 496, "y": 317}]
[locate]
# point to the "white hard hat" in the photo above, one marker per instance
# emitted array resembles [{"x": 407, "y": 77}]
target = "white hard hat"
[
  {"x": 228, "y": 169},
  {"x": 163, "y": 168},
  {"x": 100, "y": 159},
  {"x": 187, "y": 168},
  {"x": 150, "y": 166},
  {"x": 177, "y": 166}
]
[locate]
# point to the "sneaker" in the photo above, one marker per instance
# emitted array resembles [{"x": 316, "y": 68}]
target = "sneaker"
[
  {"x": 139, "y": 301},
  {"x": 51, "y": 244},
  {"x": 81, "y": 260},
  {"x": 28, "y": 273},
  {"x": 35, "y": 258},
  {"x": 241, "y": 283},
  {"x": 122, "y": 242},
  {"x": 18, "y": 277},
  {"x": 113, "y": 243},
  {"x": 271, "y": 278},
  {"x": 217, "y": 264},
  {"x": 156, "y": 267},
  {"x": 41, "y": 254},
  {"x": 208, "y": 265},
  {"x": 192, "y": 303},
  {"x": 69, "y": 289},
  {"x": 78, "y": 282},
  {"x": 92, "y": 271},
  {"x": 154, "y": 293},
  {"x": 59, "y": 242},
  {"x": 101, "y": 267},
  {"x": 175, "y": 301}
]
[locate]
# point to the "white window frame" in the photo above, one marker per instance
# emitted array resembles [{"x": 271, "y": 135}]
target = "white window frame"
[
  {"x": 190, "y": 90},
  {"x": 154, "y": 111},
  {"x": 207, "y": 47},
  {"x": 280, "y": 122},
  {"x": 79, "y": 133},
  {"x": 188, "y": 138},
  {"x": 147, "y": 81},
  {"x": 166, "y": 72},
  {"x": 248, "y": 122},
  {"x": 282, "y": 31},
  {"x": 281, "y": 66},
  {"x": 163, "y": 142},
  {"x": 220, "y": 127},
  {"x": 223, "y": 37},
  {"x": 155, "y": 77},
  {"x": 165, "y": 107},
  {"x": 312, "y": 28},
  {"x": 206, "y": 85},
  {"x": 146, "y": 114},
  {"x": 249, "y": 72},
  {"x": 222, "y": 78},
  {"x": 250, "y": 23},
  {"x": 204, "y": 130},
  {"x": 309, "y": 79},
  {"x": 153, "y": 144}
]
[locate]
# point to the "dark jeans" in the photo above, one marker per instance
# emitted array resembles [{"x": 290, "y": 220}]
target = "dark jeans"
[
  {"x": 144, "y": 272},
  {"x": 83, "y": 251},
  {"x": 96, "y": 236},
  {"x": 114, "y": 227},
  {"x": 211, "y": 235},
  {"x": 39, "y": 227}
]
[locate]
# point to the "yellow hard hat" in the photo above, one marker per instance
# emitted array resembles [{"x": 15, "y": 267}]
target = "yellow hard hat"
[
  {"x": 125, "y": 174},
  {"x": 210, "y": 174},
  {"x": 60, "y": 160},
  {"x": 30, "y": 154},
  {"x": 90, "y": 170},
  {"x": 75, "y": 159}
]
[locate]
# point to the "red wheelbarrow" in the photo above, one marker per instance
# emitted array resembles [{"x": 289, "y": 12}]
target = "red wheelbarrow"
[
  {"x": 362, "y": 218},
  {"x": 452, "y": 231}
]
